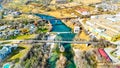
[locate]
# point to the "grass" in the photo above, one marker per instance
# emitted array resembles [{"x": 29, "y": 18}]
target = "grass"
[
  {"x": 28, "y": 64},
  {"x": 20, "y": 53},
  {"x": 22, "y": 37},
  {"x": 15, "y": 52},
  {"x": 113, "y": 54},
  {"x": 83, "y": 47},
  {"x": 83, "y": 35},
  {"x": 25, "y": 36},
  {"x": 42, "y": 30},
  {"x": 13, "y": 37},
  {"x": 1, "y": 47},
  {"x": 1, "y": 39},
  {"x": 119, "y": 57},
  {"x": 5, "y": 42}
]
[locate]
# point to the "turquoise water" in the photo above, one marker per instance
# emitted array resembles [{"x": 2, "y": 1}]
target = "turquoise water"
[
  {"x": 7, "y": 65},
  {"x": 59, "y": 26},
  {"x": 1, "y": 7}
]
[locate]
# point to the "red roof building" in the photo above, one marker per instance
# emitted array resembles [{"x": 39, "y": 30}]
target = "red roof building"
[{"x": 103, "y": 53}]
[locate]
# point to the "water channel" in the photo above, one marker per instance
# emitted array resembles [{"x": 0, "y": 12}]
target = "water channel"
[{"x": 59, "y": 26}]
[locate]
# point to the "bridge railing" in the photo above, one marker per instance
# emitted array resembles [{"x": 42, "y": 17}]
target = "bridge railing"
[{"x": 48, "y": 41}]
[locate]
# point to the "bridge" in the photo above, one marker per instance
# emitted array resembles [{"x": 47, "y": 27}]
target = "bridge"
[
  {"x": 48, "y": 41},
  {"x": 68, "y": 18},
  {"x": 56, "y": 24},
  {"x": 59, "y": 32},
  {"x": 63, "y": 18}
]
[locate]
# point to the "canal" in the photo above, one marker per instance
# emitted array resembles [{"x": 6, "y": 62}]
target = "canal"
[{"x": 68, "y": 53}]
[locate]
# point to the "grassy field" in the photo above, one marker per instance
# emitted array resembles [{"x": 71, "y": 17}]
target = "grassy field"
[
  {"x": 23, "y": 37},
  {"x": 21, "y": 52}
]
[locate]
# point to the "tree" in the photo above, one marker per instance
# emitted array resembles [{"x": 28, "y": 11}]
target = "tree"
[{"x": 70, "y": 0}]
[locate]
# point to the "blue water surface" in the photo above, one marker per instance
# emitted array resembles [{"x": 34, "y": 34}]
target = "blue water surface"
[
  {"x": 1, "y": 7},
  {"x": 6, "y": 65},
  {"x": 59, "y": 26}
]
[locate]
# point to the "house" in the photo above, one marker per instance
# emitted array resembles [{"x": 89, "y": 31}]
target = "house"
[
  {"x": 83, "y": 11},
  {"x": 16, "y": 13},
  {"x": 32, "y": 28},
  {"x": 76, "y": 29},
  {"x": 1, "y": 34},
  {"x": 4, "y": 52},
  {"x": 16, "y": 31},
  {"x": 3, "y": 27},
  {"x": 61, "y": 1}
]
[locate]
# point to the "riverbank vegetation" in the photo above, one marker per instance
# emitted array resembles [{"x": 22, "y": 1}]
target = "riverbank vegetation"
[
  {"x": 62, "y": 59},
  {"x": 37, "y": 57}
]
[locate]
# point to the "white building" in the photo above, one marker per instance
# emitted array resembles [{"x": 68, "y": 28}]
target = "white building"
[
  {"x": 107, "y": 7},
  {"x": 104, "y": 26},
  {"x": 76, "y": 29},
  {"x": 83, "y": 11}
]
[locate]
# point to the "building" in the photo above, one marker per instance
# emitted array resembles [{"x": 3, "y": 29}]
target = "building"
[
  {"x": 61, "y": 1},
  {"x": 104, "y": 54},
  {"x": 87, "y": 2},
  {"x": 114, "y": 54},
  {"x": 4, "y": 52},
  {"x": 32, "y": 28},
  {"x": 16, "y": 13},
  {"x": 76, "y": 29},
  {"x": 83, "y": 11},
  {"x": 104, "y": 26},
  {"x": 3, "y": 27},
  {"x": 107, "y": 6},
  {"x": 16, "y": 31}
]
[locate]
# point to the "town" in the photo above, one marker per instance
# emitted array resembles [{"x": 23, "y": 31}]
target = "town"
[{"x": 59, "y": 34}]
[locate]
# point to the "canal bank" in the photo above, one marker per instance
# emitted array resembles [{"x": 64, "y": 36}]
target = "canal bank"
[{"x": 59, "y": 26}]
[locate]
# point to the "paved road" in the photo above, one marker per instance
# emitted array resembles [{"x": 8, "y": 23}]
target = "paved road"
[{"x": 50, "y": 41}]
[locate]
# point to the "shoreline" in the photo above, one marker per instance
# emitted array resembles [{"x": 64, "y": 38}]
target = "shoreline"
[
  {"x": 50, "y": 27},
  {"x": 54, "y": 57}
]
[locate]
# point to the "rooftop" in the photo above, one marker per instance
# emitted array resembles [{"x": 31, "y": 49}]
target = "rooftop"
[
  {"x": 82, "y": 10},
  {"x": 109, "y": 22}
]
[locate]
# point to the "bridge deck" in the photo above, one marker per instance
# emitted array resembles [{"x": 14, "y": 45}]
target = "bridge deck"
[
  {"x": 63, "y": 18},
  {"x": 59, "y": 32},
  {"x": 49, "y": 41}
]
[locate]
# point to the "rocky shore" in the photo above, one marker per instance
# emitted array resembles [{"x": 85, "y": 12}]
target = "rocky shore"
[
  {"x": 61, "y": 62},
  {"x": 50, "y": 26}
]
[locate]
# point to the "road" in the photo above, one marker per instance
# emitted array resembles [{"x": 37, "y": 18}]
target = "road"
[{"x": 46, "y": 41}]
